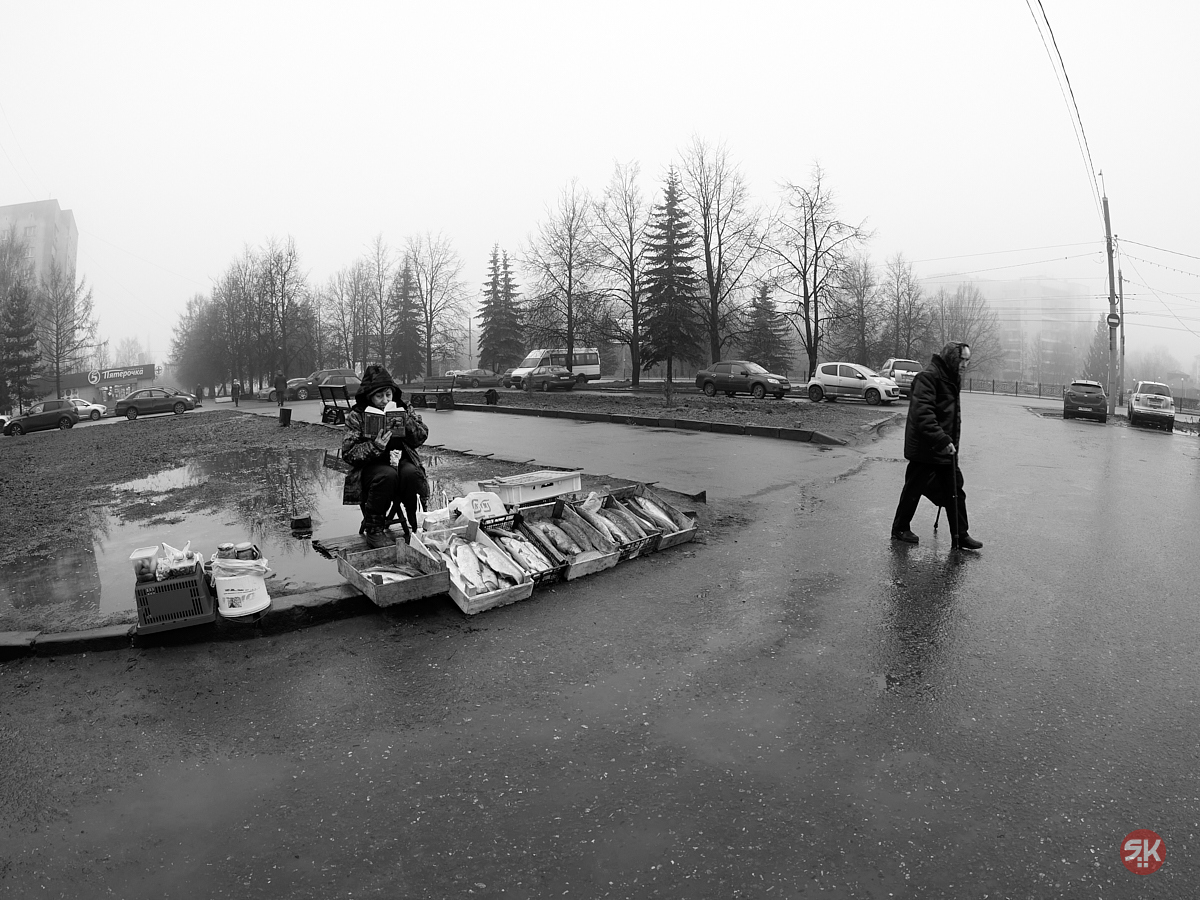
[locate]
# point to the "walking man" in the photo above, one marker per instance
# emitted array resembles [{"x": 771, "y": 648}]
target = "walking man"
[
  {"x": 280, "y": 388},
  {"x": 235, "y": 391},
  {"x": 931, "y": 446}
]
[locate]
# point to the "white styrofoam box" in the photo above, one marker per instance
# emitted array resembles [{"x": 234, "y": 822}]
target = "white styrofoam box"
[{"x": 517, "y": 489}]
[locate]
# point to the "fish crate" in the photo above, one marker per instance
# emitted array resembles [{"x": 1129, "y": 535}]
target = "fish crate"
[
  {"x": 581, "y": 563},
  {"x": 463, "y": 595},
  {"x": 667, "y": 538},
  {"x": 636, "y": 547},
  {"x": 174, "y": 602},
  {"x": 514, "y": 522},
  {"x": 436, "y": 579},
  {"x": 517, "y": 490}
]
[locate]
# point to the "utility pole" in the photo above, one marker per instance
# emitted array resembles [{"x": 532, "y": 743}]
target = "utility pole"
[
  {"x": 1121, "y": 297},
  {"x": 1112, "y": 313}
]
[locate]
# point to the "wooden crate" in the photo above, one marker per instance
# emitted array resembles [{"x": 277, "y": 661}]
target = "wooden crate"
[
  {"x": 638, "y": 546},
  {"x": 669, "y": 538},
  {"x": 464, "y": 599},
  {"x": 585, "y": 563},
  {"x": 435, "y": 581}
]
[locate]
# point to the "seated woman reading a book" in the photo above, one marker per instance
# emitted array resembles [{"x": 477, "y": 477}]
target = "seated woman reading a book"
[{"x": 382, "y": 437}]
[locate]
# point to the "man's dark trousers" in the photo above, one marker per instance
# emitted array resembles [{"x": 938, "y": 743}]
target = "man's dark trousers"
[{"x": 936, "y": 483}]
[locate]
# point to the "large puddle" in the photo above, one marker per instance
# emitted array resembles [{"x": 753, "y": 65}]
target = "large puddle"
[{"x": 84, "y": 586}]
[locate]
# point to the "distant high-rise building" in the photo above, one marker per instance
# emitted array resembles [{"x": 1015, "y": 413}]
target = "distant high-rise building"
[{"x": 48, "y": 233}]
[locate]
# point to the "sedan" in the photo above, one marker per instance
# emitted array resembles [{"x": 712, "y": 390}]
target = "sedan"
[
  {"x": 149, "y": 401},
  {"x": 548, "y": 378},
  {"x": 1085, "y": 398},
  {"x": 476, "y": 378},
  {"x": 506, "y": 377},
  {"x": 850, "y": 381},
  {"x": 738, "y": 376},
  {"x": 87, "y": 410},
  {"x": 40, "y": 416},
  {"x": 303, "y": 388}
]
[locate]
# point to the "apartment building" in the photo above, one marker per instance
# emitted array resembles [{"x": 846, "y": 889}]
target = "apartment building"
[{"x": 48, "y": 234}]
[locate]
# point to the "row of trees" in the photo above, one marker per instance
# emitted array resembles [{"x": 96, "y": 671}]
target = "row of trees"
[{"x": 47, "y": 327}]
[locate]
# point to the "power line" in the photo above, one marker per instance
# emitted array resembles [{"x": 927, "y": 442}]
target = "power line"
[
  {"x": 1159, "y": 249},
  {"x": 1077, "y": 119},
  {"x": 1035, "y": 262},
  {"x": 997, "y": 252}
]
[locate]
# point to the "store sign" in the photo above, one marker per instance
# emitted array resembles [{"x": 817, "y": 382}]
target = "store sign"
[{"x": 107, "y": 376}]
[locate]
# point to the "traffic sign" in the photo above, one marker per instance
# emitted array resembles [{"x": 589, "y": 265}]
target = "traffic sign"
[{"x": 1113, "y": 320}]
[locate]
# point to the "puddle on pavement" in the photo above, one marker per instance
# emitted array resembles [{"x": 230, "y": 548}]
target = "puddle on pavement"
[{"x": 88, "y": 586}]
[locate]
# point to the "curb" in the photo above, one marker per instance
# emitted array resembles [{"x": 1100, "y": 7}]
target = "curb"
[{"x": 787, "y": 434}]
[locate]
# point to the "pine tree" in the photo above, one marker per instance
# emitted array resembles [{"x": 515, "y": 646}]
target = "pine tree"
[
  {"x": 766, "y": 341},
  {"x": 1096, "y": 366},
  {"x": 674, "y": 329},
  {"x": 22, "y": 360},
  {"x": 408, "y": 350},
  {"x": 500, "y": 338}
]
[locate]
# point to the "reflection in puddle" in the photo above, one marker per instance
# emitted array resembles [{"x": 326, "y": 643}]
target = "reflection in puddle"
[{"x": 205, "y": 503}]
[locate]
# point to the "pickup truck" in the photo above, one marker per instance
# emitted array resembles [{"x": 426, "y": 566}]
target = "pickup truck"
[{"x": 902, "y": 372}]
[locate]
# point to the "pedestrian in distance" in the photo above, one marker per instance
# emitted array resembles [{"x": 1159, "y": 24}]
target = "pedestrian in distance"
[
  {"x": 235, "y": 391},
  {"x": 932, "y": 446},
  {"x": 280, "y": 388}
]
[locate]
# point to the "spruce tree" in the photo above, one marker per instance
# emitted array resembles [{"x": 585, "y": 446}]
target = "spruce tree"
[
  {"x": 766, "y": 341},
  {"x": 674, "y": 329},
  {"x": 1096, "y": 367},
  {"x": 408, "y": 350},
  {"x": 22, "y": 358},
  {"x": 500, "y": 338}
]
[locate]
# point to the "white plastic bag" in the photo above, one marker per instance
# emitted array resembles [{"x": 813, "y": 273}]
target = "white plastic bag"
[{"x": 230, "y": 568}]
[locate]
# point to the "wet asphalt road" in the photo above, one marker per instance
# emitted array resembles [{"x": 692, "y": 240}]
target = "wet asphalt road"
[{"x": 795, "y": 707}]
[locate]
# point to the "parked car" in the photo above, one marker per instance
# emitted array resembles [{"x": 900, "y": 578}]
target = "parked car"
[
  {"x": 476, "y": 378},
  {"x": 901, "y": 371},
  {"x": 304, "y": 388},
  {"x": 40, "y": 416},
  {"x": 850, "y": 381},
  {"x": 151, "y": 400},
  {"x": 506, "y": 379},
  {"x": 87, "y": 410},
  {"x": 1151, "y": 404},
  {"x": 4, "y": 420},
  {"x": 547, "y": 378},
  {"x": 737, "y": 376},
  {"x": 1085, "y": 398}
]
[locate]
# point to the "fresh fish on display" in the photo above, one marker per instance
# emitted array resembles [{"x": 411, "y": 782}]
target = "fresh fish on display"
[
  {"x": 525, "y": 554},
  {"x": 657, "y": 513},
  {"x": 558, "y": 538},
  {"x": 597, "y": 521},
  {"x": 643, "y": 518},
  {"x": 499, "y": 562},
  {"x": 469, "y": 568},
  {"x": 626, "y": 518},
  {"x": 621, "y": 532},
  {"x": 578, "y": 535}
]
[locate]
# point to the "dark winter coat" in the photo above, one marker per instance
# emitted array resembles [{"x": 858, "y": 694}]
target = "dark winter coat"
[{"x": 934, "y": 415}]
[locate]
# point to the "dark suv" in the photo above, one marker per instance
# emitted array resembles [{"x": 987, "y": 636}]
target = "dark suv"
[
  {"x": 739, "y": 376},
  {"x": 40, "y": 416}
]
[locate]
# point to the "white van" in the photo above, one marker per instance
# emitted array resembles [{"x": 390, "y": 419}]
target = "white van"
[{"x": 585, "y": 365}]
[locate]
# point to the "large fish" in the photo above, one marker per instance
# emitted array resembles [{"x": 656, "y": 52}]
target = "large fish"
[
  {"x": 642, "y": 517},
  {"x": 601, "y": 524},
  {"x": 626, "y": 518},
  {"x": 499, "y": 562},
  {"x": 578, "y": 534},
  {"x": 622, "y": 531},
  {"x": 525, "y": 553},
  {"x": 476, "y": 577},
  {"x": 560, "y": 540},
  {"x": 657, "y": 513}
]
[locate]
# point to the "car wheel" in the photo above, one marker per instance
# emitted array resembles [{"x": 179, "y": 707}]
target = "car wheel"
[
  {"x": 180, "y": 408},
  {"x": 302, "y": 394},
  {"x": 272, "y": 397},
  {"x": 16, "y": 429},
  {"x": 545, "y": 387},
  {"x": 1104, "y": 420},
  {"x": 64, "y": 423},
  {"x": 815, "y": 394},
  {"x": 758, "y": 392},
  {"x": 95, "y": 415},
  {"x": 710, "y": 389},
  {"x": 872, "y": 397},
  {"x": 474, "y": 382},
  {"x": 1170, "y": 427},
  {"x": 131, "y": 413}
]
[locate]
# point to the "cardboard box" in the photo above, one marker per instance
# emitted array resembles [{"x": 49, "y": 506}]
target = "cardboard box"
[
  {"x": 667, "y": 539},
  {"x": 464, "y": 596},
  {"x": 435, "y": 581},
  {"x": 582, "y": 563},
  {"x": 531, "y": 487}
]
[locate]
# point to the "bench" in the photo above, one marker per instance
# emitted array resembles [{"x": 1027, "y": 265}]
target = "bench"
[
  {"x": 337, "y": 402},
  {"x": 442, "y": 391}
]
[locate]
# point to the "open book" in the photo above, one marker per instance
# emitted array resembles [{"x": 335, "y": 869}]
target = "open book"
[{"x": 375, "y": 420}]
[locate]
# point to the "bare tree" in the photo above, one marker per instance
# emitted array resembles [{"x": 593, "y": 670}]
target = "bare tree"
[
  {"x": 561, "y": 262},
  {"x": 344, "y": 301},
  {"x": 620, "y": 233},
  {"x": 128, "y": 352},
  {"x": 910, "y": 321},
  {"x": 282, "y": 289},
  {"x": 967, "y": 316},
  {"x": 66, "y": 327},
  {"x": 378, "y": 270},
  {"x": 440, "y": 293},
  {"x": 729, "y": 232},
  {"x": 858, "y": 317},
  {"x": 809, "y": 246}
]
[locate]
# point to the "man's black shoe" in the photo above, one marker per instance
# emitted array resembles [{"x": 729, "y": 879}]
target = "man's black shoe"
[
  {"x": 907, "y": 536},
  {"x": 966, "y": 542}
]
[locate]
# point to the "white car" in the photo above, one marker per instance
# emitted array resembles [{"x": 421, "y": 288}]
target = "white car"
[
  {"x": 1151, "y": 404},
  {"x": 850, "y": 381},
  {"x": 87, "y": 410}
]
